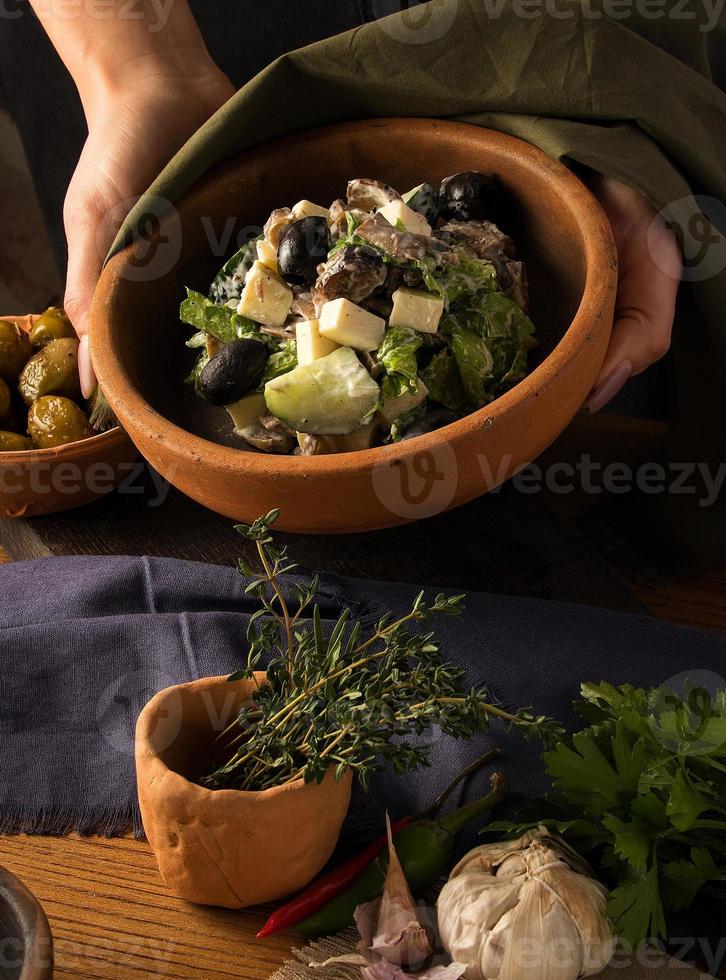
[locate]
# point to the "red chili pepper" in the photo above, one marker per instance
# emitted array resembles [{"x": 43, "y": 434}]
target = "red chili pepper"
[
  {"x": 320, "y": 892},
  {"x": 325, "y": 889}
]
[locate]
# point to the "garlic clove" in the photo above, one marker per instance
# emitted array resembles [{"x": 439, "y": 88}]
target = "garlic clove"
[{"x": 400, "y": 937}]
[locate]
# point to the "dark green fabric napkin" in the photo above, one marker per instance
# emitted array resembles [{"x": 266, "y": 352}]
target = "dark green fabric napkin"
[{"x": 632, "y": 91}]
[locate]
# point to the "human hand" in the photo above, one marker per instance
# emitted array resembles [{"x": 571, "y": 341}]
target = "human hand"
[
  {"x": 134, "y": 128},
  {"x": 649, "y": 273}
]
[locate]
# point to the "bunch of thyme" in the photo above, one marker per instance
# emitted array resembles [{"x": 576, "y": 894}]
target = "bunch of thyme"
[{"x": 336, "y": 699}]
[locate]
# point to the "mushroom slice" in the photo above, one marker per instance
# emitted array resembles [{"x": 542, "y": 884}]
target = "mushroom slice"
[
  {"x": 483, "y": 237},
  {"x": 401, "y": 246},
  {"x": 276, "y": 224},
  {"x": 302, "y": 307},
  {"x": 337, "y": 221},
  {"x": 485, "y": 240},
  {"x": 313, "y": 445},
  {"x": 268, "y": 434},
  {"x": 369, "y": 194},
  {"x": 355, "y": 272}
]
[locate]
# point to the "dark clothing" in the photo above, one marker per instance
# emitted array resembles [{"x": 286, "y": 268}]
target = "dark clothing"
[{"x": 243, "y": 37}]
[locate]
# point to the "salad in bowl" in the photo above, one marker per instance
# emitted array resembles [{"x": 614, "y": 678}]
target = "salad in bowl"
[{"x": 374, "y": 320}]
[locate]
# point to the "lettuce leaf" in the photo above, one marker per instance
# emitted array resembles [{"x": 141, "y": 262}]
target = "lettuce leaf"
[
  {"x": 443, "y": 381},
  {"x": 490, "y": 335},
  {"x": 456, "y": 282},
  {"x": 508, "y": 331},
  {"x": 221, "y": 322},
  {"x": 230, "y": 279},
  {"x": 474, "y": 361},
  {"x": 199, "y": 365},
  {"x": 282, "y": 361},
  {"x": 405, "y": 420},
  {"x": 470, "y": 277},
  {"x": 397, "y": 355}
]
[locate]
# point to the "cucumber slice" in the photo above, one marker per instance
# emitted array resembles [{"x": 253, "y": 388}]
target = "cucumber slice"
[{"x": 334, "y": 395}]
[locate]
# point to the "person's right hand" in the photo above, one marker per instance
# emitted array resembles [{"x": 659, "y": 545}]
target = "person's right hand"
[{"x": 133, "y": 131}]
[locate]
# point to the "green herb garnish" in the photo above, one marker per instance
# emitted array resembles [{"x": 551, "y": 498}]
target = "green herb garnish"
[
  {"x": 339, "y": 699},
  {"x": 642, "y": 792}
]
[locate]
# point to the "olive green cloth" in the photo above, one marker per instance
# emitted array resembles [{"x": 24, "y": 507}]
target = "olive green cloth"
[{"x": 629, "y": 89}]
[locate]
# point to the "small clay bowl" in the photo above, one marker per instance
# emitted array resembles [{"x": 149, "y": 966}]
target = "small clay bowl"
[
  {"x": 226, "y": 847},
  {"x": 137, "y": 340},
  {"x": 27, "y": 945},
  {"x": 45, "y": 481}
]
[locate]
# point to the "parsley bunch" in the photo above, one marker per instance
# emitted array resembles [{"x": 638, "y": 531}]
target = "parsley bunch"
[
  {"x": 342, "y": 699},
  {"x": 642, "y": 790}
]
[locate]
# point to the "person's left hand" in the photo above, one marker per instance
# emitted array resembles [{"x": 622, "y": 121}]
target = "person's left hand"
[{"x": 649, "y": 272}]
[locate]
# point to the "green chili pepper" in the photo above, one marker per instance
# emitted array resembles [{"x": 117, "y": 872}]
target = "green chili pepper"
[{"x": 424, "y": 849}]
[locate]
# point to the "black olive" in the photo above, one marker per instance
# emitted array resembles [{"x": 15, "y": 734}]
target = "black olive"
[
  {"x": 426, "y": 201},
  {"x": 471, "y": 196},
  {"x": 236, "y": 370},
  {"x": 303, "y": 246}
]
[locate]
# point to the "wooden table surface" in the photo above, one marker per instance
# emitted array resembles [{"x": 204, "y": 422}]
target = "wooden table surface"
[{"x": 110, "y": 913}]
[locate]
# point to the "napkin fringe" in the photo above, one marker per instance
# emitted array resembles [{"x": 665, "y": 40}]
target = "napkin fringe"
[{"x": 56, "y": 821}]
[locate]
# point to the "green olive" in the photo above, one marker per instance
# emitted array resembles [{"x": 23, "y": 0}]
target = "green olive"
[
  {"x": 55, "y": 421},
  {"x": 53, "y": 370},
  {"x": 15, "y": 350},
  {"x": 52, "y": 325},
  {"x": 11, "y": 442},
  {"x": 5, "y": 400}
]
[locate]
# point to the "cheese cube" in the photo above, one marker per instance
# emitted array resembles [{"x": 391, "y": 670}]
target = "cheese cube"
[
  {"x": 247, "y": 409},
  {"x": 265, "y": 297},
  {"x": 411, "y": 220},
  {"x": 351, "y": 325},
  {"x": 306, "y": 209},
  {"x": 393, "y": 407},
  {"x": 417, "y": 309},
  {"x": 310, "y": 345},
  {"x": 267, "y": 255}
]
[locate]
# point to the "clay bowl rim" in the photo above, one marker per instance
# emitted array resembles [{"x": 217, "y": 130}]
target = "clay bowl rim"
[
  {"x": 142, "y": 731},
  {"x": 111, "y": 437},
  {"x": 600, "y": 258}
]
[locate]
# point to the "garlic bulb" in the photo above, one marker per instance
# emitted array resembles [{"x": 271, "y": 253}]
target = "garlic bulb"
[{"x": 526, "y": 909}]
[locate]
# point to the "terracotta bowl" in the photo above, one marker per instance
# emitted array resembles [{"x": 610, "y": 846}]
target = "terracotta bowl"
[
  {"x": 45, "y": 481},
  {"x": 25, "y": 938},
  {"x": 137, "y": 341},
  {"x": 226, "y": 847}
]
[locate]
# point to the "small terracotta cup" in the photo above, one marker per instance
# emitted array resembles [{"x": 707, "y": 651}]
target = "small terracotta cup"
[
  {"x": 45, "y": 481},
  {"x": 226, "y": 847}
]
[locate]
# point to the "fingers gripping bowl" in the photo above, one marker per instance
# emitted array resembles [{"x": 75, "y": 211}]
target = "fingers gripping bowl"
[{"x": 560, "y": 232}]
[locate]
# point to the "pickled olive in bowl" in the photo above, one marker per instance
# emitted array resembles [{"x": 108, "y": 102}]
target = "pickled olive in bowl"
[
  {"x": 53, "y": 370},
  {"x": 56, "y": 421},
  {"x": 5, "y": 400},
  {"x": 15, "y": 350},
  {"x": 12, "y": 442},
  {"x": 51, "y": 325}
]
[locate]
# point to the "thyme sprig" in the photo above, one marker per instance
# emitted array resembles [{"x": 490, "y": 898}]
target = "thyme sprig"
[{"x": 336, "y": 699}]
